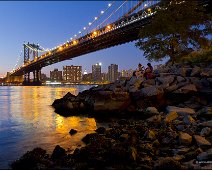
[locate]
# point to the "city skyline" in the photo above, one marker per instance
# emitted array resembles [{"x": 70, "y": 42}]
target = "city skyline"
[{"x": 52, "y": 23}]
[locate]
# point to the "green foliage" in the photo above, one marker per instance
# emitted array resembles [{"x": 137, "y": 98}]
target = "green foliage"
[
  {"x": 201, "y": 56},
  {"x": 176, "y": 30}
]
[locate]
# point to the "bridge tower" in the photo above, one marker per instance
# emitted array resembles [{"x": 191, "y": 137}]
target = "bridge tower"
[
  {"x": 26, "y": 60},
  {"x": 28, "y": 50}
]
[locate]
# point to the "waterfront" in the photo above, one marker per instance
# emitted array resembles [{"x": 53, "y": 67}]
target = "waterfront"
[{"x": 27, "y": 121}]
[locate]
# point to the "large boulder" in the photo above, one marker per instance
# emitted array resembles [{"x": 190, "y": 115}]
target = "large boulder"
[
  {"x": 179, "y": 110},
  {"x": 186, "y": 89},
  {"x": 165, "y": 80},
  {"x": 185, "y": 138},
  {"x": 151, "y": 91},
  {"x": 206, "y": 72},
  {"x": 110, "y": 101},
  {"x": 202, "y": 142}
]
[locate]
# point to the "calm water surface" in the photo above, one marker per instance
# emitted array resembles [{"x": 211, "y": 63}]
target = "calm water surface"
[{"x": 27, "y": 120}]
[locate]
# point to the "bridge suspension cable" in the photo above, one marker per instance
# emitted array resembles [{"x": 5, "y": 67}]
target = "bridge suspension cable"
[
  {"x": 17, "y": 61},
  {"x": 111, "y": 14},
  {"x": 41, "y": 49},
  {"x": 95, "y": 19}
]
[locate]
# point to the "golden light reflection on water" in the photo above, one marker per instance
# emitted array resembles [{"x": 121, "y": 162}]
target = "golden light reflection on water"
[{"x": 39, "y": 125}]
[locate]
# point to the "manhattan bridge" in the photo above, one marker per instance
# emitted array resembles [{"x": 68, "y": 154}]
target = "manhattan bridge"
[{"x": 119, "y": 23}]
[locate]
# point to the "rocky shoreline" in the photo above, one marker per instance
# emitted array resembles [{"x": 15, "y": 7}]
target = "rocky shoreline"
[{"x": 172, "y": 128}]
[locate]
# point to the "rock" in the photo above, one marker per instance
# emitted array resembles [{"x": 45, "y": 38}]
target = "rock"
[
  {"x": 180, "y": 151},
  {"x": 69, "y": 96},
  {"x": 156, "y": 143},
  {"x": 195, "y": 71},
  {"x": 184, "y": 71},
  {"x": 124, "y": 137},
  {"x": 205, "y": 131},
  {"x": 152, "y": 110},
  {"x": 154, "y": 119},
  {"x": 134, "y": 84},
  {"x": 207, "y": 123},
  {"x": 178, "y": 157},
  {"x": 192, "y": 165},
  {"x": 204, "y": 156},
  {"x": 180, "y": 79},
  {"x": 180, "y": 127},
  {"x": 101, "y": 130},
  {"x": 171, "y": 88},
  {"x": 167, "y": 163},
  {"x": 58, "y": 153},
  {"x": 165, "y": 80},
  {"x": 150, "y": 134},
  {"x": 205, "y": 111},
  {"x": 180, "y": 111},
  {"x": 151, "y": 91},
  {"x": 72, "y": 131},
  {"x": 133, "y": 153},
  {"x": 206, "y": 72},
  {"x": 186, "y": 89},
  {"x": 185, "y": 138},
  {"x": 202, "y": 142},
  {"x": 109, "y": 101},
  {"x": 171, "y": 116},
  {"x": 30, "y": 160},
  {"x": 90, "y": 137},
  {"x": 188, "y": 120},
  {"x": 149, "y": 82}
]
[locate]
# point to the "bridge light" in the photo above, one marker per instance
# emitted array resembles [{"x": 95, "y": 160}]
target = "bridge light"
[
  {"x": 94, "y": 33},
  {"x": 145, "y": 5},
  {"x": 84, "y": 28},
  {"x": 74, "y": 42},
  {"x": 75, "y": 35},
  {"x": 60, "y": 48},
  {"x": 79, "y": 32},
  {"x": 102, "y": 12},
  {"x": 66, "y": 45},
  {"x": 149, "y": 9},
  {"x": 108, "y": 27},
  {"x": 96, "y": 18},
  {"x": 109, "y": 5},
  {"x": 89, "y": 23}
]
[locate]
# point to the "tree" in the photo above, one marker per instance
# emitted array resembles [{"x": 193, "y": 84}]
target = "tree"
[{"x": 176, "y": 29}]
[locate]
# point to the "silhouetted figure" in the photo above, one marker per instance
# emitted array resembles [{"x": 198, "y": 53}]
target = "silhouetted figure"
[
  {"x": 139, "y": 71},
  {"x": 148, "y": 71}
]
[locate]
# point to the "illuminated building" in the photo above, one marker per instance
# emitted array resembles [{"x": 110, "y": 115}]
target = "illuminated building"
[
  {"x": 72, "y": 74},
  {"x": 96, "y": 72},
  {"x": 55, "y": 75},
  {"x": 113, "y": 72},
  {"x": 126, "y": 73}
]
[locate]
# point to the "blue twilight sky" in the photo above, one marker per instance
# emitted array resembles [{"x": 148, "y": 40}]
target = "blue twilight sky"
[{"x": 52, "y": 23}]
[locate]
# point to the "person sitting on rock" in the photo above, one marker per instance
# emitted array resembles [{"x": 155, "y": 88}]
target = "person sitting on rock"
[
  {"x": 139, "y": 71},
  {"x": 148, "y": 74}
]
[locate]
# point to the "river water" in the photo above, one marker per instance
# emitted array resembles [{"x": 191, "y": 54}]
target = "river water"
[{"x": 27, "y": 120}]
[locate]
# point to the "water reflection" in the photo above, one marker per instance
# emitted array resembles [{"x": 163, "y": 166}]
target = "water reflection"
[{"x": 27, "y": 120}]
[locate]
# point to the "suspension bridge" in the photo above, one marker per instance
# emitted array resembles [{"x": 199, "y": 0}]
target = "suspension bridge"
[{"x": 129, "y": 18}]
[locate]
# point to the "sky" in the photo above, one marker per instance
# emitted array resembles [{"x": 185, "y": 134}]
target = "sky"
[{"x": 51, "y": 23}]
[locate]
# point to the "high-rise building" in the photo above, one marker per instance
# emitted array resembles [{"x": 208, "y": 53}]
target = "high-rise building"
[
  {"x": 43, "y": 77},
  {"x": 87, "y": 77},
  {"x": 72, "y": 74},
  {"x": 104, "y": 77},
  {"x": 126, "y": 73},
  {"x": 56, "y": 75},
  {"x": 113, "y": 72},
  {"x": 96, "y": 72}
]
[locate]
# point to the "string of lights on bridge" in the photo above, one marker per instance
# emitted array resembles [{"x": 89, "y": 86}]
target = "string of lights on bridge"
[{"x": 74, "y": 41}]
